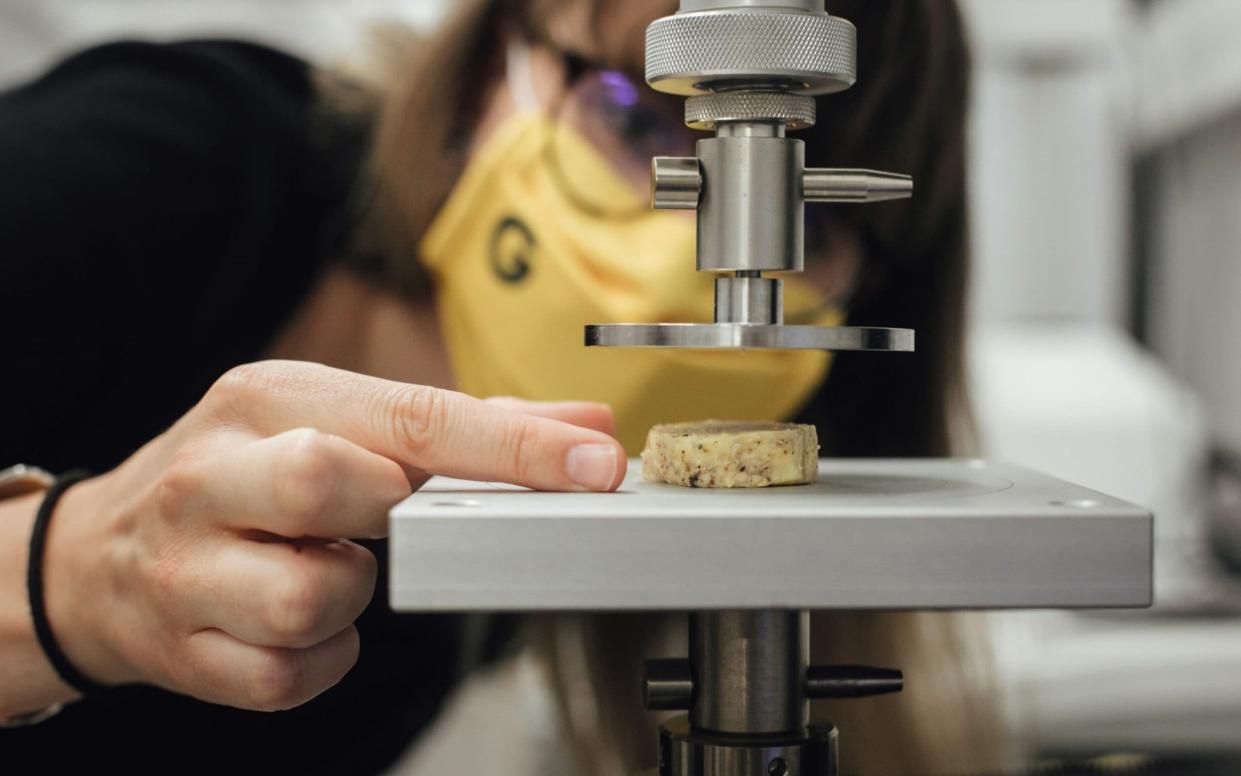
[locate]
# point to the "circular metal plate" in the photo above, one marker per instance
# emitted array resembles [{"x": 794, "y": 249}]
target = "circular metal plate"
[
  {"x": 697, "y": 53},
  {"x": 743, "y": 336}
]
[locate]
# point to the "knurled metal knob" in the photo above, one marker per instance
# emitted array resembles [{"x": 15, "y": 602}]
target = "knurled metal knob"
[
  {"x": 707, "y": 111},
  {"x": 709, "y": 51}
]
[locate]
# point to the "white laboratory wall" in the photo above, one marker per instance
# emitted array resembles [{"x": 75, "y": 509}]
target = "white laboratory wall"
[
  {"x": 1049, "y": 168},
  {"x": 1068, "y": 94},
  {"x": 1188, "y": 63},
  {"x": 1191, "y": 127},
  {"x": 1196, "y": 313},
  {"x": 1058, "y": 384}
]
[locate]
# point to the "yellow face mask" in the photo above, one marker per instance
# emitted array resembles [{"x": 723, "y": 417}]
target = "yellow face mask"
[{"x": 519, "y": 270}]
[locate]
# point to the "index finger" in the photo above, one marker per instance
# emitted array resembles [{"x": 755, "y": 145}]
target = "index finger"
[{"x": 428, "y": 429}]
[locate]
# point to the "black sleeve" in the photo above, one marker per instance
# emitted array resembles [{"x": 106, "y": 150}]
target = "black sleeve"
[{"x": 162, "y": 210}]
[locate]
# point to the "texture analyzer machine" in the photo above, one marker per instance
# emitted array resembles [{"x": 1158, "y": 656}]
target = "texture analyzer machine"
[{"x": 748, "y": 566}]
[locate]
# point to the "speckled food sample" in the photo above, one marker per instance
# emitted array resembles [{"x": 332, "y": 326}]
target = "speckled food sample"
[{"x": 731, "y": 454}]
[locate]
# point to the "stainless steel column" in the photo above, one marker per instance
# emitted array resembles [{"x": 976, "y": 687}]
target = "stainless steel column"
[
  {"x": 750, "y": 669},
  {"x": 745, "y": 688},
  {"x": 751, "y": 215}
]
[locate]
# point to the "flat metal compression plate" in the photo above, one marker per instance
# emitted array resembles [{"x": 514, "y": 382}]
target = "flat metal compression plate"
[
  {"x": 873, "y": 534},
  {"x": 747, "y": 335}
]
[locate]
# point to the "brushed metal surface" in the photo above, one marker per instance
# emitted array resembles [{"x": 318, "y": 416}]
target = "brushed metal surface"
[
  {"x": 751, "y": 215},
  {"x": 694, "y": 53},
  {"x": 871, "y": 534},
  {"x": 676, "y": 182},
  {"x": 710, "y": 336},
  {"x": 749, "y": 671},
  {"x": 690, "y": 6},
  {"x": 820, "y": 185},
  {"x": 707, "y": 111},
  {"x": 749, "y": 300}
]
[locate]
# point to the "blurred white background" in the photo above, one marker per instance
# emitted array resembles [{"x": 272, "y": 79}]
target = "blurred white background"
[
  {"x": 34, "y": 33},
  {"x": 1106, "y": 194}
]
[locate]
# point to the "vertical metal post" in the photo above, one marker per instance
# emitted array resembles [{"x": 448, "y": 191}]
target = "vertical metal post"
[
  {"x": 749, "y": 671},
  {"x": 744, "y": 686}
]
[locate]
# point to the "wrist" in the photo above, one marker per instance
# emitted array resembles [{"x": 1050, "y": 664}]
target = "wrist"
[
  {"x": 81, "y": 572},
  {"x": 27, "y": 681}
]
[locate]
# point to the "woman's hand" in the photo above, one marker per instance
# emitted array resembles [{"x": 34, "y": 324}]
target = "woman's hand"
[{"x": 216, "y": 562}]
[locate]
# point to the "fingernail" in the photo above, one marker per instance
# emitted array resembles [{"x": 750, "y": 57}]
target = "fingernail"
[{"x": 592, "y": 467}]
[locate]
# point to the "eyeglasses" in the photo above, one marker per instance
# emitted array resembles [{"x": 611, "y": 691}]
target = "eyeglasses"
[{"x": 626, "y": 123}]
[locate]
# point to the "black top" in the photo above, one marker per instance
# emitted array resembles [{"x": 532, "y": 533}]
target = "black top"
[{"x": 162, "y": 211}]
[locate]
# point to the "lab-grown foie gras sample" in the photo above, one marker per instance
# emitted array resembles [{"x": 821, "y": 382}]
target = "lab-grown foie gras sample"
[{"x": 731, "y": 454}]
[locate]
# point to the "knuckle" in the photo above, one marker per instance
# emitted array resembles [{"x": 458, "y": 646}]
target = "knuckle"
[
  {"x": 304, "y": 475},
  {"x": 275, "y": 681},
  {"x": 163, "y": 577},
  {"x": 181, "y": 485},
  {"x": 241, "y": 382},
  {"x": 419, "y": 416},
  {"x": 297, "y": 609}
]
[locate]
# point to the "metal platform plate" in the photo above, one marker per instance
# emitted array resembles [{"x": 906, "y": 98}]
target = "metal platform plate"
[
  {"x": 743, "y": 336},
  {"x": 875, "y": 534}
]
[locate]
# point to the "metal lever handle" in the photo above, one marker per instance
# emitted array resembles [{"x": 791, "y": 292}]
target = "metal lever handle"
[
  {"x": 676, "y": 182},
  {"x": 851, "y": 681},
  {"x": 819, "y": 185},
  {"x": 669, "y": 683}
]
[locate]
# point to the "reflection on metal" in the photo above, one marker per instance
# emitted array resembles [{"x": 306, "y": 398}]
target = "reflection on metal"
[{"x": 747, "y": 335}]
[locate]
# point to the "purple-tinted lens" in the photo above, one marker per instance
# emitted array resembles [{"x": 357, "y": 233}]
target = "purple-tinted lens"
[{"x": 621, "y": 90}]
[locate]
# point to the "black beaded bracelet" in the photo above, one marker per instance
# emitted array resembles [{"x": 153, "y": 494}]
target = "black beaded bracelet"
[{"x": 34, "y": 587}]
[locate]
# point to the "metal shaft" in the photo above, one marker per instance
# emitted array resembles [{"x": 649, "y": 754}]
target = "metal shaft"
[
  {"x": 751, "y": 213},
  {"x": 749, "y": 672},
  {"x": 855, "y": 186},
  {"x": 749, "y": 298}
]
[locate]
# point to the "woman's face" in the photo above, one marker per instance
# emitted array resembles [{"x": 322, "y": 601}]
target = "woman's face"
[{"x": 568, "y": 29}]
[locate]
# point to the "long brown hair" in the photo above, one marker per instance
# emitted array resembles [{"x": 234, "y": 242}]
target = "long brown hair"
[{"x": 906, "y": 114}]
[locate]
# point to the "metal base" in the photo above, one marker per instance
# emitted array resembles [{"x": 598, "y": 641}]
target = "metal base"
[
  {"x": 747, "y": 336},
  {"x": 684, "y": 752}
]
